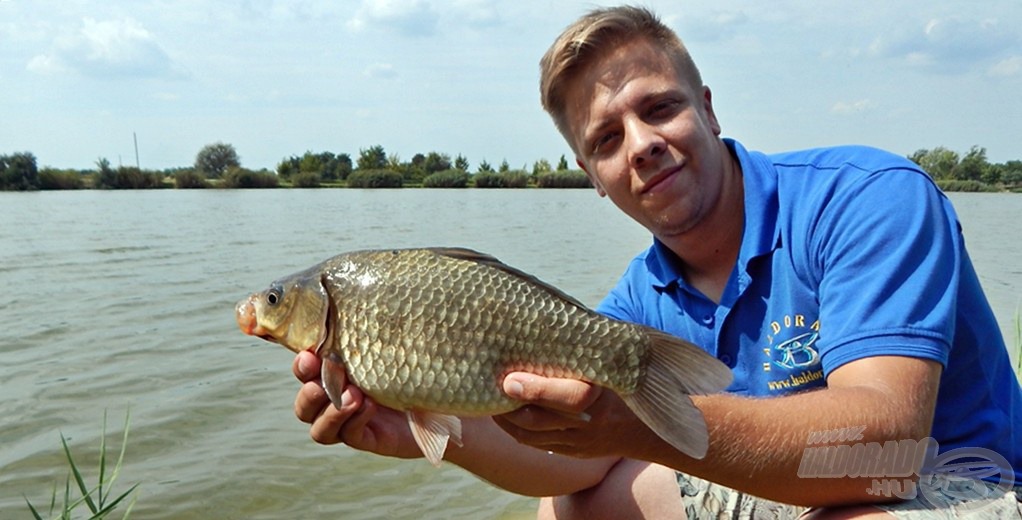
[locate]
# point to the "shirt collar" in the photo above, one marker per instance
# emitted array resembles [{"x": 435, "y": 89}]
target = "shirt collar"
[{"x": 761, "y": 233}]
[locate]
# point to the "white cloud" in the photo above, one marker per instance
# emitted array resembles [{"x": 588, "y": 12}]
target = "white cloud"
[
  {"x": 1007, "y": 67},
  {"x": 949, "y": 45},
  {"x": 380, "y": 71},
  {"x": 109, "y": 48},
  {"x": 853, "y": 107},
  {"x": 715, "y": 26},
  {"x": 412, "y": 18}
]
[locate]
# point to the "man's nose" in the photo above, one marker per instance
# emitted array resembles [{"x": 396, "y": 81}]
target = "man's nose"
[{"x": 644, "y": 141}]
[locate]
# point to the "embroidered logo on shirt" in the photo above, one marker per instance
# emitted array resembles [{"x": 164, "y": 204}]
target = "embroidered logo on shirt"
[{"x": 792, "y": 353}]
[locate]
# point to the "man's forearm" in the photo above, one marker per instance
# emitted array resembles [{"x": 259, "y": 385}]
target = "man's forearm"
[
  {"x": 758, "y": 445},
  {"x": 493, "y": 455}
]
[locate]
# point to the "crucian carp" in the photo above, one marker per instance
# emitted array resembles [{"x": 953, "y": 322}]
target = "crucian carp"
[{"x": 433, "y": 332}]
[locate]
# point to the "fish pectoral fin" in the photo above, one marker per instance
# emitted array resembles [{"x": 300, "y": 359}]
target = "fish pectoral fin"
[
  {"x": 334, "y": 378},
  {"x": 432, "y": 431},
  {"x": 675, "y": 369},
  {"x": 675, "y": 419}
]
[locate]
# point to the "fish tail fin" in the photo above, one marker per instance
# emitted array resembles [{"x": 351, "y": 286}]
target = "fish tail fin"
[
  {"x": 432, "y": 431},
  {"x": 675, "y": 369}
]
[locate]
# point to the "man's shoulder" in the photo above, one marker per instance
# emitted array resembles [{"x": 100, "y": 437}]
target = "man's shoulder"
[{"x": 854, "y": 157}]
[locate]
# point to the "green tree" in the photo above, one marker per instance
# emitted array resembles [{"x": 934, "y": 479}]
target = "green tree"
[
  {"x": 340, "y": 168},
  {"x": 541, "y": 166},
  {"x": 289, "y": 167},
  {"x": 310, "y": 163},
  {"x": 484, "y": 167},
  {"x": 504, "y": 166},
  {"x": 106, "y": 177},
  {"x": 436, "y": 162},
  {"x": 19, "y": 171},
  {"x": 1011, "y": 174},
  {"x": 214, "y": 159},
  {"x": 461, "y": 163},
  {"x": 372, "y": 158},
  {"x": 940, "y": 162},
  {"x": 973, "y": 166},
  {"x": 562, "y": 165}
]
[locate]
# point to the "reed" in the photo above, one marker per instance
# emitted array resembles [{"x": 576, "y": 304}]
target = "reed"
[{"x": 97, "y": 499}]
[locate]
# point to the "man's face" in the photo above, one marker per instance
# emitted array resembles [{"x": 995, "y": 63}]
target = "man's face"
[{"x": 647, "y": 138}]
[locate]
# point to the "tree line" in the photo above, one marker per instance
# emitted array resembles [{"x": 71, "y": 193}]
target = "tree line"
[{"x": 218, "y": 165}]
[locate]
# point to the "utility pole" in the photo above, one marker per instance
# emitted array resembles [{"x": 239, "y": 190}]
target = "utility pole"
[{"x": 135, "y": 137}]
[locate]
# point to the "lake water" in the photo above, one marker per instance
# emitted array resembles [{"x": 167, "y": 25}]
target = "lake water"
[{"x": 124, "y": 300}]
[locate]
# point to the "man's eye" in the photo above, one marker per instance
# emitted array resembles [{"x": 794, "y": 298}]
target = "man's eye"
[
  {"x": 663, "y": 108},
  {"x": 602, "y": 141}
]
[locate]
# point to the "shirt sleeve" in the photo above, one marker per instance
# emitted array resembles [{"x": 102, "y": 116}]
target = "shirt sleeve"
[
  {"x": 620, "y": 302},
  {"x": 886, "y": 253}
]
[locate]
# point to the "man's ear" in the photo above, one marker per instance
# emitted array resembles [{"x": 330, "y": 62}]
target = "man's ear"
[{"x": 592, "y": 178}]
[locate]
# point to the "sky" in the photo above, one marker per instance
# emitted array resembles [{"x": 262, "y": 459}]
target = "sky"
[{"x": 81, "y": 80}]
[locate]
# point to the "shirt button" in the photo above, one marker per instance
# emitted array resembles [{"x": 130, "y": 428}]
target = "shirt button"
[
  {"x": 708, "y": 319},
  {"x": 726, "y": 359}
]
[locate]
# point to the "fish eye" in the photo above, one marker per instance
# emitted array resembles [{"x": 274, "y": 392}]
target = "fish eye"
[{"x": 273, "y": 297}]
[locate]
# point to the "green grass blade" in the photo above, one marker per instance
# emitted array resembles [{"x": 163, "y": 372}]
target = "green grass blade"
[
  {"x": 124, "y": 446},
  {"x": 86, "y": 494},
  {"x": 131, "y": 505},
  {"x": 66, "y": 513},
  {"x": 102, "y": 464},
  {"x": 104, "y": 511},
  {"x": 32, "y": 508}
]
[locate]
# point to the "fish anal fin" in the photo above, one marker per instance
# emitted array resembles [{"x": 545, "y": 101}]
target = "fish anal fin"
[
  {"x": 432, "y": 431},
  {"x": 675, "y": 369}
]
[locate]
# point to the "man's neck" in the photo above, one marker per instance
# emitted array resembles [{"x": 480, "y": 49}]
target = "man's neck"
[{"x": 708, "y": 252}]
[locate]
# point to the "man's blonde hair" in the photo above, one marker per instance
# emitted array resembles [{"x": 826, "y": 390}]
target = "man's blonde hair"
[{"x": 589, "y": 38}]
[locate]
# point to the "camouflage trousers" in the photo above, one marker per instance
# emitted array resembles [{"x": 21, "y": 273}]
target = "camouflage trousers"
[{"x": 944, "y": 499}]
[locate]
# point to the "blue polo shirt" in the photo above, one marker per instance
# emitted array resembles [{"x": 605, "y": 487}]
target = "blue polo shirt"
[{"x": 847, "y": 253}]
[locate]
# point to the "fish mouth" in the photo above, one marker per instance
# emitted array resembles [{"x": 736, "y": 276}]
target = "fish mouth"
[{"x": 245, "y": 313}]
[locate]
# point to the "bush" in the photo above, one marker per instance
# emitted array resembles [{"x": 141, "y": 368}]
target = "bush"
[
  {"x": 53, "y": 179},
  {"x": 375, "y": 179},
  {"x": 237, "y": 177},
  {"x": 306, "y": 180},
  {"x": 564, "y": 179},
  {"x": 964, "y": 185},
  {"x": 512, "y": 179},
  {"x": 446, "y": 179},
  {"x": 190, "y": 179},
  {"x": 129, "y": 178}
]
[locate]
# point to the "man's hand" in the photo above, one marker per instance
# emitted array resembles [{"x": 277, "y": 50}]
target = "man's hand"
[
  {"x": 570, "y": 417},
  {"x": 358, "y": 422}
]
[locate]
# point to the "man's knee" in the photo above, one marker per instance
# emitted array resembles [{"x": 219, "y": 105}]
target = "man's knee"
[{"x": 631, "y": 489}]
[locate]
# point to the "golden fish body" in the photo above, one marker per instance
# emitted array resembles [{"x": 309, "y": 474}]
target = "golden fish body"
[{"x": 434, "y": 331}]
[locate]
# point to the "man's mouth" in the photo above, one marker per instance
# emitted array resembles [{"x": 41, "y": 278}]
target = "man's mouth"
[{"x": 657, "y": 181}]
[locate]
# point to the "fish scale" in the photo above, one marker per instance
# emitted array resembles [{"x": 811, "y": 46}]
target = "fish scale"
[{"x": 433, "y": 332}]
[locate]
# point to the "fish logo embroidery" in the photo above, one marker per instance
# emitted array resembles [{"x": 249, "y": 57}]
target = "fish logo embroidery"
[
  {"x": 798, "y": 352},
  {"x": 792, "y": 356}
]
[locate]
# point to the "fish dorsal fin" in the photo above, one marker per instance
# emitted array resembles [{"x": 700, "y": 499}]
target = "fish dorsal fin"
[
  {"x": 432, "y": 431},
  {"x": 469, "y": 255}
]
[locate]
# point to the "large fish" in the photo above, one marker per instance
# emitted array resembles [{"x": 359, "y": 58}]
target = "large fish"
[{"x": 433, "y": 332}]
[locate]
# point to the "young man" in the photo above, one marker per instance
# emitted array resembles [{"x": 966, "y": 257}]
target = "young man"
[{"x": 834, "y": 282}]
